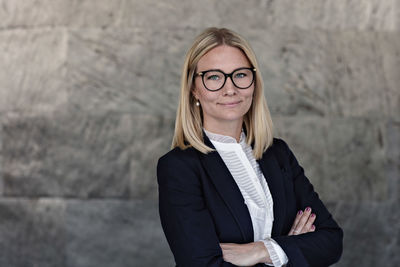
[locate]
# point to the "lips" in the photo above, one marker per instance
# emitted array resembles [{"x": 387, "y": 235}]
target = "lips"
[{"x": 233, "y": 103}]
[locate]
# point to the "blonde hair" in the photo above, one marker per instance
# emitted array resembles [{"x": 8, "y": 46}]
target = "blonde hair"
[{"x": 188, "y": 123}]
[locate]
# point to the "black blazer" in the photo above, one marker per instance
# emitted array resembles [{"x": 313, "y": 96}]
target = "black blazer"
[{"x": 201, "y": 206}]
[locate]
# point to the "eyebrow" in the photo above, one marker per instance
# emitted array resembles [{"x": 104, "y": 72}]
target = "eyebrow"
[
  {"x": 211, "y": 70},
  {"x": 224, "y": 71}
]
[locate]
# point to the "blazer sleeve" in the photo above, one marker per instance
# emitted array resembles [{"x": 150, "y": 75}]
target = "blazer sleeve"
[
  {"x": 185, "y": 219},
  {"x": 322, "y": 247}
]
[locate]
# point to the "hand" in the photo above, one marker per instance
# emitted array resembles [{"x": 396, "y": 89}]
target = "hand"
[
  {"x": 245, "y": 254},
  {"x": 303, "y": 223}
]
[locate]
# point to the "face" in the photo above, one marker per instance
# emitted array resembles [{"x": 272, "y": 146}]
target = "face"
[{"x": 228, "y": 105}]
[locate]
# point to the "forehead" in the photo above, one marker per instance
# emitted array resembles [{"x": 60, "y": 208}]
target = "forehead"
[{"x": 223, "y": 57}]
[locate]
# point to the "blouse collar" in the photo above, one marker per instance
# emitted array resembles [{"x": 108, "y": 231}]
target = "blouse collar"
[{"x": 225, "y": 138}]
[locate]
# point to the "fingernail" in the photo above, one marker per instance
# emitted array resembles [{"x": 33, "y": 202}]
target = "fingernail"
[
  {"x": 308, "y": 209},
  {"x": 313, "y": 226},
  {"x": 312, "y": 215},
  {"x": 300, "y": 212}
]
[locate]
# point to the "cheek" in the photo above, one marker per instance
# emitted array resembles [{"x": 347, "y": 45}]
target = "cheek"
[
  {"x": 248, "y": 94},
  {"x": 248, "y": 99},
  {"x": 206, "y": 96}
]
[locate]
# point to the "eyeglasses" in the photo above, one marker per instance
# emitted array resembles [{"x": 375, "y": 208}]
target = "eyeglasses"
[{"x": 214, "y": 80}]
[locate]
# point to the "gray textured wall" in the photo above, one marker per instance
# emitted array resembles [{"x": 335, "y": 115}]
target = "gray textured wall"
[{"x": 88, "y": 93}]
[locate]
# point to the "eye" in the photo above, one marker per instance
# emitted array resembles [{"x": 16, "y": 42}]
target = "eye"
[
  {"x": 240, "y": 75},
  {"x": 213, "y": 77}
]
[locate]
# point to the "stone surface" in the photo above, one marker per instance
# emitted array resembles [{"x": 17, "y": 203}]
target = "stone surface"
[
  {"x": 94, "y": 13},
  {"x": 305, "y": 14},
  {"x": 343, "y": 158},
  {"x": 379, "y": 245},
  {"x": 68, "y": 155},
  {"x": 115, "y": 233},
  {"x": 1, "y": 159},
  {"x": 329, "y": 73},
  {"x": 126, "y": 70},
  {"x": 113, "y": 155},
  {"x": 307, "y": 139},
  {"x": 392, "y": 153},
  {"x": 31, "y": 232},
  {"x": 170, "y": 15},
  {"x": 390, "y": 62},
  {"x": 339, "y": 15},
  {"x": 60, "y": 13},
  {"x": 28, "y": 14},
  {"x": 373, "y": 15},
  {"x": 359, "y": 81},
  {"x": 67, "y": 233},
  {"x": 356, "y": 161},
  {"x": 151, "y": 139},
  {"x": 33, "y": 70},
  {"x": 292, "y": 63}
]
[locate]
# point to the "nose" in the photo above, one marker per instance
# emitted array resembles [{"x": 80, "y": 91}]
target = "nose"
[{"x": 229, "y": 87}]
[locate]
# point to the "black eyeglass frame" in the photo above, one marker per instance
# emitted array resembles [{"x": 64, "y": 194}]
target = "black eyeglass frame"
[{"x": 226, "y": 75}]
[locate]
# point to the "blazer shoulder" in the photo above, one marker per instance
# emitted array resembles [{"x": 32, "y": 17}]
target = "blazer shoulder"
[
  {"x": 179, "y": 156},
  {"x": 281, "y": 151},
  {"x": 179, "y": 168},
  {"x": 280, "y": 144}
]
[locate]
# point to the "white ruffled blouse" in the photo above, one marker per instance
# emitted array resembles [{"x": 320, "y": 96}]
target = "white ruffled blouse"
[{"x": 240, "y": 161}]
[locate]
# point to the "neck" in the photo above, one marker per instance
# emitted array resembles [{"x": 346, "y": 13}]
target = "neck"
[{"x": 232, "y": 129}]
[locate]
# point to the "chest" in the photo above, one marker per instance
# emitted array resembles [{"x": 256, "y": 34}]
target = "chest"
[{"x": 229, "y": 212}]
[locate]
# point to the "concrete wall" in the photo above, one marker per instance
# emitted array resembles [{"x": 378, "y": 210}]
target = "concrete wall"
[{"x": 88, "y": 93}]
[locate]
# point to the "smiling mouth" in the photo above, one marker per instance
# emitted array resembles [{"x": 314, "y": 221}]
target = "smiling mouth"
[{"x": 230, "y": 103}]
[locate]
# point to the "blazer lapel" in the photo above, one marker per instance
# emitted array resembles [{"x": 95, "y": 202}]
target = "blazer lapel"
[
  {"x": 228, "y": 190},
  {"x": 273, "y": 174}
]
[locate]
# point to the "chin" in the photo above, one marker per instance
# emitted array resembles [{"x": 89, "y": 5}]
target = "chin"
[{"x": 232, "y": 117}]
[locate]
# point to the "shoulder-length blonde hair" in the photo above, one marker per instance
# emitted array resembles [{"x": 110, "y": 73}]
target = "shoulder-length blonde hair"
[{"x": 188, "y": 123}]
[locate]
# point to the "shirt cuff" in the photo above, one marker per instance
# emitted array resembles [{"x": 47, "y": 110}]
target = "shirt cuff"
[{"x": 276, "y": 253}]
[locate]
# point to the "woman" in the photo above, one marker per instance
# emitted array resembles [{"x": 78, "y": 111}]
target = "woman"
[{"x": 229, "y": 193}]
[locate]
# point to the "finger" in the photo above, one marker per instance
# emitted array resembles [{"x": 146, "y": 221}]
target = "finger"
[
  {"x": 303, "y": 220},
  {"x": 309, "y": 223},
  {"x": 296, "y": 221},
  {"x": 312, "y": 228},
  {"x": 296, "y": 228}
]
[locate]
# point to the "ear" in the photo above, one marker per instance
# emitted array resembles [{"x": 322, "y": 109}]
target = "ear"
[{"x": 194, "y": 92}]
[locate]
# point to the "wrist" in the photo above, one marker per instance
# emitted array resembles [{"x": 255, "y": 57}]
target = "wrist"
[{"x": 263, "y": 254}]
